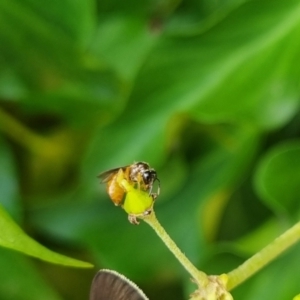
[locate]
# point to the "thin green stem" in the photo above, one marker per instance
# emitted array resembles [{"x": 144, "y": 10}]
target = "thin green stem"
[
  {"x": 260, "y": 259},
  {"x": 199, "y": 276}
]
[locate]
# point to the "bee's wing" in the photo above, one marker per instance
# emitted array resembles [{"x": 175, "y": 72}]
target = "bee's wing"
[
  {"x": 110, "y": 285},
  {"x": 107, "y": 175}
]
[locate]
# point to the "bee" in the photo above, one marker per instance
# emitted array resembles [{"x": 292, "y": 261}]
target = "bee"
[{"x": 139, "y": 174}]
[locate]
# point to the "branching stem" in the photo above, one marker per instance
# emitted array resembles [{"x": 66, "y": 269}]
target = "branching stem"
[{"x": 263, "y": 257}]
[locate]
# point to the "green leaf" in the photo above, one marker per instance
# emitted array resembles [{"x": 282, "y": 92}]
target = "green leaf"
[
  {"x": 45, "y": 64},
  {"x": 96, "y": 94},
  {"x": 124, "y": 43},
  {"x": 237, "y": 81},
  {"x": 228, "y": 73},
  {"x": 43, "y": 41},
  {"x": 278, "y": 176},
  {"x": 13, "y": 237}
]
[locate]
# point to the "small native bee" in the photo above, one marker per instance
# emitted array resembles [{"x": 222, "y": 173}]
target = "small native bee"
[{"x": 140, "y": 174}]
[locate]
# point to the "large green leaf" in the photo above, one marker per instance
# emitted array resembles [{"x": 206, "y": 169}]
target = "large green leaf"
[
  {"x": 124, "y": 43},
  {"x": 45, "y": 63},
  {"x": 13, "y": 237},
  {"x": 43, "y": 39},
  {"x": 278, "y": 176},
  {"x": 226, "y": 74}
]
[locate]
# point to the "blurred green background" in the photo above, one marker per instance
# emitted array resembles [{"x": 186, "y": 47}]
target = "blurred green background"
[{"x": 205, "y": 91}]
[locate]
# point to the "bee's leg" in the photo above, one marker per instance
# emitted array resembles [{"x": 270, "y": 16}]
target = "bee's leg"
[
  {"x": 150, "y": 187},
  {"x": 155, "y": 195},
  {"x": 133, "y": 220},
  {"x": 158, "y": 188}
]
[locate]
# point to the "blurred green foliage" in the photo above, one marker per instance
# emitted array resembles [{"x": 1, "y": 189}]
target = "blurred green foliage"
[{"x": 205, "y": 91}]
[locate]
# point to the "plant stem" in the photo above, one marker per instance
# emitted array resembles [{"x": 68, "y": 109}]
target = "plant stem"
[
  {"x": 22, "y": 135},
  {"x": 260, "y": 259},
  {"x": 199, "y": 276}
]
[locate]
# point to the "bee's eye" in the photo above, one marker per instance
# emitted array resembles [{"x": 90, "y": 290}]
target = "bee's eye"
[
  {"x": 146, "y": 177},
  {"x": 149, "y": 176}
]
